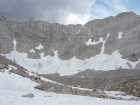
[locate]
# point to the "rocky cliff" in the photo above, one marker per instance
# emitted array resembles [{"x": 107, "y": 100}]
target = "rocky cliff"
[{"x": 101, "y": 44}]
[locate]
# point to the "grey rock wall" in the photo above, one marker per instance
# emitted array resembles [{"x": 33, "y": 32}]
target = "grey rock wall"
[{"x": 70, "y": 40}]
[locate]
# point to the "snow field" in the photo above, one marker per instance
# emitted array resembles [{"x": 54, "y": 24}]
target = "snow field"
[
  {"x": 48, "y": 64},
  {"x": 13, "y": 86}
]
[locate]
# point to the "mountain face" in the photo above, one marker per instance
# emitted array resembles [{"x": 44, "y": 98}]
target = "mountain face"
[{"x": 102, "y": 44}]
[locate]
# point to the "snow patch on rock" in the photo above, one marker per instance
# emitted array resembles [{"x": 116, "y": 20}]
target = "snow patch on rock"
[
  {"x": 78, "y": 31},
  {"x": 120, "y": 35},
  {"x": 32, "y": 51},
  {"x": 103, "y": 46},
  {"x": 40, "y": 47},
  {"x": 90, "y": 42}
]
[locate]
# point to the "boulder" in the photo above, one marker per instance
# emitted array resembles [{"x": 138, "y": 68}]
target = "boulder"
[
  {"x": 17, "y": 71},
  {"x": 39, "y": 81},
  {"x": 30, "y": 95},
  {"x": 33, "y": 79},
  {"x": 95, "y": 94},
  {"x": 44, "y": 86},
  {"x": 51, "y": 89},
  {"x": 24, "y": 74},
  {"x": 102, "y": 93},
  {"x": 2, "y": 66}
]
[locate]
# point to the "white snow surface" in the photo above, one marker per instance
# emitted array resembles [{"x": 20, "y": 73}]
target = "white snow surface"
[
  {"x": 49, "y": 64},
  {"x": 90, "y": 42},
  {"x": 78, "y": 31},
  {"x": 32, "y": 51},
  {"x": 118, "y": 94},
  {"x": 13, "y": 86},
  {"x": 120, "y": 35},
  {"x": 12, "y": 67},
  {"x": 40, "y": 47}
]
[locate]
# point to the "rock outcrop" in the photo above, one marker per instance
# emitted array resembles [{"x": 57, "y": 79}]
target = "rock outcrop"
[
  {"x": 2, "y": 66},
  {"x": 25, "y": 73},
  {"x": 64, "y": 89},
  {"x": 130, "y": 87}
]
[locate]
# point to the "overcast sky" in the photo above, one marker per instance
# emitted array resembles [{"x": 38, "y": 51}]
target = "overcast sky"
[{"x": 66, "y": 11}]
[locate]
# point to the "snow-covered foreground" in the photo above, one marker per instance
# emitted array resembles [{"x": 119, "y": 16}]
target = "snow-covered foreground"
[{"x": 13, "y": 86}]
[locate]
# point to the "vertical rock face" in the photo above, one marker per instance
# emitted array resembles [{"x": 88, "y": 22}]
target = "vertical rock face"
[
  {"x": 127, "y": 23},
  {"x": 40, "y": 39},
  {"x": 7, "y": 27}
]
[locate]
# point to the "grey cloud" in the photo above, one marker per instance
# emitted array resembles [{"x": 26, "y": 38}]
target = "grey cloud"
[{"x": 48, "y": 10}]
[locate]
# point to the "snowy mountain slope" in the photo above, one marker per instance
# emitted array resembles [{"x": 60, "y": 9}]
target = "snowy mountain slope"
[
  {"x": 54, "y": 64},
  {"x": 102, "y": 44},
  {"x": 13, "y": 87}
]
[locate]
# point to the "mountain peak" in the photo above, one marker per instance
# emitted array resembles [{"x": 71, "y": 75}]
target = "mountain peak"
[{"x": 123, "y": 14}]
